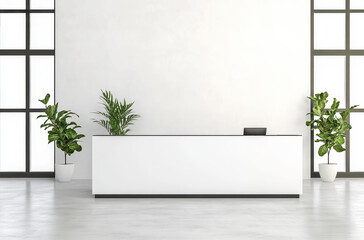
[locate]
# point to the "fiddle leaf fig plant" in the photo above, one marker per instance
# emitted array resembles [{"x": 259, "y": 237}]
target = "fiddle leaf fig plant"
[
  {"x": 331, "y": 126},
  {"x": 119, "y": 115},
  {"x": 61, "y": 130}
]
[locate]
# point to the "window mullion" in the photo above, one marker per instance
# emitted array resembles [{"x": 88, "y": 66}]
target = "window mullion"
[
  {"x": 27, "y": 94},
  {"x": 347, "y": 80}
]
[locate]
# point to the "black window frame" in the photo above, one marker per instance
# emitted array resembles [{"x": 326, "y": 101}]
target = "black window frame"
[{"x": 27, "y": 52}]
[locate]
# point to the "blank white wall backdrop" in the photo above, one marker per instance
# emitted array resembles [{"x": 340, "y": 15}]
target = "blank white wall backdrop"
[{"x": 192, "y": 67}]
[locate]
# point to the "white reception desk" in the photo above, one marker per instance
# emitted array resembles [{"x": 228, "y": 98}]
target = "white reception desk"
[{"x": 197, "y": 166}]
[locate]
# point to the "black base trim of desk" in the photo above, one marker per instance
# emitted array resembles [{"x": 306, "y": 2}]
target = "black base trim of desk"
[{"x": 197, "y": 195}]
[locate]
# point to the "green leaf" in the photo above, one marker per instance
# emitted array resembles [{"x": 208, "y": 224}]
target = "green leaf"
[
  {"x": 79, "y": 136},
  {"x": 308, "y": 123},
  {"x": 61, "y": 113},
  {"x": 352, "y": 108},
  {"x": 345, "y": 114},
  {"x": 317, "y": 111},
  {"x": 46, "y": 99},
  {"x": 322, "y": 150},
  {"x": 45, "y": 125},
  {"x": 339, "y": 140},
  {"x": 339, "y": 148},
  {"x": 41, "y": 116},
  {"x": 53, "y": 137},
  {"x": 75, "y": 147}
]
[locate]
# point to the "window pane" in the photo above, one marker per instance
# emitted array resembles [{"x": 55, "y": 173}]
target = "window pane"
[
  {"x": 356, "y": 4},
  {"x": 12, "y": 81},
  {"x": 12, "y": 31},
  {"x": 41, "y": 153},
  {"x": 329, "y": 75},
  {"x": 356, "y": 31},
  {"x": 329, "y": 31},
  {"x": 335, "y": 157},
  {"x": 329, "y": 4},
  {"x": 41, "y": 79},
  {"x": 12, "y": 4},
  {"x": 12, "y": 142},
  {"x": 357, "y": 80},
  {"x": 42, "y": 4},
  {"x": 42, "y": 31},
  {"x": 356, "y": 142}
]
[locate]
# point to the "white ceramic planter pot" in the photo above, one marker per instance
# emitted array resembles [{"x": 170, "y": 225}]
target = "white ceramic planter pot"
[
  {"x": 64, "y": 172},
  {"x": 328, "y": 171}
]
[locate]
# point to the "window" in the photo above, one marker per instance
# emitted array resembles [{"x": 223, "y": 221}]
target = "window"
[
  {"x": 337, "y": 66},
  {"x": 26, "y": 75}
]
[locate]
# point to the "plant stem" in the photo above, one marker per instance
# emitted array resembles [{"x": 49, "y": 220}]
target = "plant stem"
[
  {"x": 65, "y": 155},
  {"x": 328, "y": 156}
]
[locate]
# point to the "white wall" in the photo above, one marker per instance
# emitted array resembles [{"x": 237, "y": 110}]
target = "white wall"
[{"x": 191, "y": 66}]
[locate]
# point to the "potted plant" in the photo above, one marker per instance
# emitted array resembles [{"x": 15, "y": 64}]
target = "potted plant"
[
  {"x": 119, "y": 115},
  {"x": 64, "y": 134},
  {"x": 332, "y": 129}
]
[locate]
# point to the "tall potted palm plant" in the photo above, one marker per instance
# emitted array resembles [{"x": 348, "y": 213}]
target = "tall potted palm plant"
[
  {"x": 64, "y": 134},
  {"x": 332, "y": 128}
]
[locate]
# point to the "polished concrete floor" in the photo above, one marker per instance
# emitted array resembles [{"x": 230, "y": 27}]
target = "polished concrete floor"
[{"x": 44, "y": 209}]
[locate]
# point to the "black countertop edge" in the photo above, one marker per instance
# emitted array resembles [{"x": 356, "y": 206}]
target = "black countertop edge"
[
  {"x": 197, "y": 195},
  {"x": 283, "y": 135}
]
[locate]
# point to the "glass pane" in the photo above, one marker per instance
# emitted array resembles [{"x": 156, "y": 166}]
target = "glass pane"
[
  {"x": 357, "y": 80},
  {"x": 335, "y": 157},
  {"x": 356, "y": 31},
  {"x": 12, "y": 142},
  {"x": 329, "y": 76},
  {"x": 12, "y": 4},
  {"x": 42, "y": 31},
  {"x": 41, "y": 79},
  {"x": 12, "y": 81},
  {"x": 42, "y": 4},
  {"x": 329, "y": 4},
  {"x": 329, "y": 31},
  {"x": 12, "y": 31},
  {"x": 356, "y": 142},
  {"x": 41, "y": 153},
  {"x": 356, "y": 4}
]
